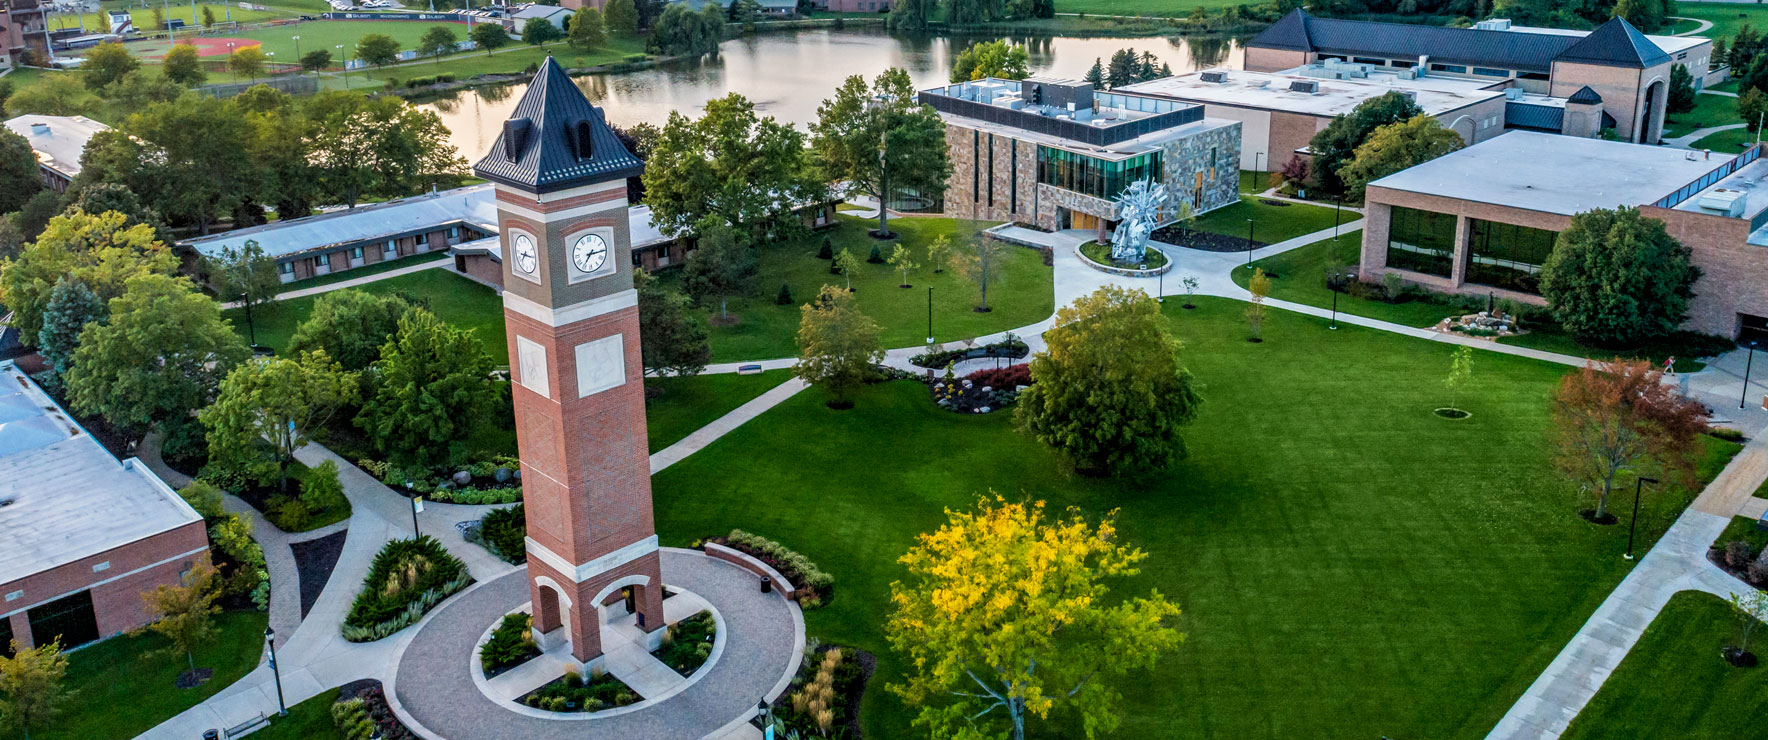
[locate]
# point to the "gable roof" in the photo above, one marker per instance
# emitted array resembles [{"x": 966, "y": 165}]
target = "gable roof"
[
  {"x": 1289, "y": 32},
  {"x": 1615, "y": 43},
  {"x": 555, "y": 139}
]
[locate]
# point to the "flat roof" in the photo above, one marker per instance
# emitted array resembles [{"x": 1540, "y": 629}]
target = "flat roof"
[
  {"x": 1670, "y": 44},
  {"x": 63, "y": 498},
  {"x": 1554, "y": 174},
  {"x": 58, "y": 140},
  {"x": 475, "y": 205},
  {"x": 1119, "y": 150},
  {"x": 1270, "y": 91}
]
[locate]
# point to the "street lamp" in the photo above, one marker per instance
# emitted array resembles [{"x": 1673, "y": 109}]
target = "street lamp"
[
  {"x": 1335, "y": 278},
  {"x": 1249, "y": 242},
  {"x": 1634, "y": 525},
  {"x": 1257, "y": 171},
  {"x": 417, "y": 506},
  {"x": 1747, "y": 365},
  {"x": 1161, "y": 291},
  {"x": 346, "y": 54},
  {"x": 1337, "y": 204},
  {"x": 297, "y": 48},
  {"x": 929, "y": 314},
  {"x": 282, "y": 708}
]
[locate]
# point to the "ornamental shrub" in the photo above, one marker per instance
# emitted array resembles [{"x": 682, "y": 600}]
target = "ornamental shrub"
[
  {"x": 504, "y": 532},
  {"x": 406, "y": 578},
  {"x": 785, "y": 296},
  {"x": 876, "y": 257},
  {"x": 827, "y": 252}
]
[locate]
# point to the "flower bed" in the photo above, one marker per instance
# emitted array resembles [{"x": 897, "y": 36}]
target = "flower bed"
[
  {"x": 1738, "y": 557},
  {"x": 1011, "y": 347},
  {"x": 510, "y": 645},
  {"x": 494, "y": 481},
  {"x": 687, "y": 644},
  {"x": 1153, "y": 260},
  {"x": 823, "y": 700},
  {"x": 407, "y": 579},
  {"x": 366, "y": 715},
  {"x": 795, "y": 567},
  {"x": 570, "y": 693},
  {"x": 982, "y": 391}
]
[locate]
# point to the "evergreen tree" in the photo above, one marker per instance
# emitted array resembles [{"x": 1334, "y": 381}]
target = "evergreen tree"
[
  {"x": 1096, "y": 75},
  {"x": 1681, "y": 99},
  {"x": 71, "y": 307},
  {"x": 1122, "y": 70}
]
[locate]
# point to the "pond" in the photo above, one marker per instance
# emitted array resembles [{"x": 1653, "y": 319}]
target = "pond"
[{"x": 787, "y": 75}]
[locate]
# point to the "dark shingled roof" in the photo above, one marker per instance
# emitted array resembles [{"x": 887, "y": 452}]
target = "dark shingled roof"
[
  {"x": 1615, "y": 43},
  {"x": 1550, "y": 118},
  {"x": 1585, "y": 96},
  {"x": 561, "y": 141}
]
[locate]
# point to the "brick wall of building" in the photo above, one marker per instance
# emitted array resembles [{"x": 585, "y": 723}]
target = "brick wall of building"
[
  {"x": 116, "y": 590},
  {"x": 1732, "y": 270},
  {"x": 1622, "y": 90}
]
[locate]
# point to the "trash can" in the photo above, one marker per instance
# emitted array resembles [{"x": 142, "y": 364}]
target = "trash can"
[
  {"x": 211, "y": 735},
  {"x": 766, "y": 585}
]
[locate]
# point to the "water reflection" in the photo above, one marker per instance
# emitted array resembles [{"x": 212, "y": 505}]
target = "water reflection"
[{"x": 787, "y": 75}]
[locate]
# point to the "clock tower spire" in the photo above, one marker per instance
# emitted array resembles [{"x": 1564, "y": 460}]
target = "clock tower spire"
[{"x": 577, "y": 377}]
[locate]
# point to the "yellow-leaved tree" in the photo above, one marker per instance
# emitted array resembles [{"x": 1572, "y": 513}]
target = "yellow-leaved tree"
[{"x": 1005, "y": 619}]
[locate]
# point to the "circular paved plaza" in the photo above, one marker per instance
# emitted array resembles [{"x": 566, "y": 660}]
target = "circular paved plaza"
[{"x": 434, "y": 684}]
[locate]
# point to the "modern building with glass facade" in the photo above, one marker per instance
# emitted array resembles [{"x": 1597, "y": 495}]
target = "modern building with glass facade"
[
  {"x": 1484, "y": 219},
  {"x": 1055, "y": 154}
]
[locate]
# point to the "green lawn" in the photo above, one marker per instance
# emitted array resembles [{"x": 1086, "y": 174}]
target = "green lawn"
[
  {"x": 309, "y": 720},
  {"x": 366, "y": 270},
  {"x": 1301, "y": 278},
  {"x": 1675, "y": 684},
  {"x": 329, "y": 34},
  {"x": 1726, "y": 86},
  {"x": 1020, "y": 294},
  {"x": 124, "y": 686},
  {"x": 1551, "y": 339},
  {"x": 143, "y": 17},
  {"x": 1350, "y": 565},
  {"x": 1744, "y": 528},
  {"x": 455, "y": 299},
  {"x": 510, "y": 60},
  {"x": 1729, "y": 142},
  {"x": 1152, "y": 8},
  {"x": 1726, "y": 17},
  {"x": 1273, "y": 220},
  {"x": 686, "y": 404},
  {"x": 1709, "y": 110}
]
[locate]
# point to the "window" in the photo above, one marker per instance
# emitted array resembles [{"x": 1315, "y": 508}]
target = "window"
[
  {"x": 1088, "y": 175},
  {"x": 975, "y": 166},
  {"x": 285, "y": 268},
  {"x": 454, "y": 232},
  {"x": 1370, "y": 60},
  {"x": 1451, "y": 68},
  {"x": 1489, "y": 72},
  {"x": 356, "y": 253},
  {"x": 1013, "y": 179},
  {"x": 392, "y": 247},
  {"x": 1421, "y": 241},
  {"x": 991, "y": 150},
  {"x": 1507, "y": 256},
  {"x": 1540, "y": 76},
  {"x": 69, "y": 618}
]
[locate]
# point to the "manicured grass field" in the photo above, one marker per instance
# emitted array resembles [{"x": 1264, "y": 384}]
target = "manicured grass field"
[
  {"x": 125, "y": 685},
  {"x": 1675, "y": 684},
  {"x": 308, "y": 720},
  {"x": 686, "y": 404},
  {"x": 454, "y": 299},
  {"x": 1552, "y": 339},
  {"x": 1709, "y": 110},
  {"x": 1152, "y": 8},
  {"x": 1301, "y": 278},
  {"x": 1729, "y": 142},
  {"x": 1020, "y": 294},
  {"x": 1726, "y": 17},
  {"x": 1273, "y": 220},
  {"x": 509, "y": 60},
  {"x": 1350, "y": 565},
  {"x": 143, "y": 17},
  {"x": 328, "y": 34}
]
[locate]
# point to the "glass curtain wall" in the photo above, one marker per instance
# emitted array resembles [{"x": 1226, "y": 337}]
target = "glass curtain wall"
[
  {"x": 1421, "y": 241},
  {"x": 1507, "y": 256},
  {"x": 1100, "y": 178}
]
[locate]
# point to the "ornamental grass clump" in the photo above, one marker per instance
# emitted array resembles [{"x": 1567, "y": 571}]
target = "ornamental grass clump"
[{"x": 406, "y": 579}]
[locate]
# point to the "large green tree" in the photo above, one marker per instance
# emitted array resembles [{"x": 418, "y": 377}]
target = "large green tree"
[
  {"x": 52, "y": 95},
  {"x": 1109, "y": 392},
  {"x": 106, "y": 63},
  {"x": 621, "y": 16},
  {"x": 541, "y": 31},
  {"x": 350, "y": 326},
  {"x": 671, "y": 339},
  {"x": 377, "y": 49},
  {"x": 184, "y": 66},
  {"x": 1681, "y": 99},
  {"x": 879, "y": 139},
  {"x": 431, "y": 385},
  {"x": 679, "y": 31},
  {"x": 72, "y": 307},
  {"x": 382, "y": 146},
  {"x": 436, "y": 41},
  {"x": 1616, "y": 278},
  {"x": 489, "y": 36},
  {"x": 587, "y": 31},
  {"x": 279, "y": 400},
  {"x": 838, "y": 347},
  {"x": 189, "y": 162},
  {"x": 31, "y": 690},
  {"x": 730, "y": 164},
  {"x": 247, "y": 276},
  {"x": 719, "y": 268},
  {"x": 103, "y": 251},
  {"x": 1395, "y": 147},
  {"x": 20, "y": 176},
  {"x": 1006, "y": 616},
  {"x": 1338, "y": 142},
  {"x": 999, "y": 59},
  {"x": 162, "y": 354}
]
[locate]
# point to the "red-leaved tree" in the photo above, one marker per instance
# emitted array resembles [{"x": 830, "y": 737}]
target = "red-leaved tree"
[{"x": 1620, "y": 415}]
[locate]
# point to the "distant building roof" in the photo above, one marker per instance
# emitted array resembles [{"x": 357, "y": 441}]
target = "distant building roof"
[
  {"x": 58, "y": 140},
  {"x": 554, "y": 139},
  {"x": 1535, "y": 116},
  {"x": 1553, "y": 174},
  {"x": 62, "y": 496},
  {"x": 553, "y": 13},
  {"x": 475, "y": 205},
  {"x": 1614, "y": 43},
  {"x": 1271, "y": 91}
]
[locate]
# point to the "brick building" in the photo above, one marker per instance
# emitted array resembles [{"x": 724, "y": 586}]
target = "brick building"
[
  {"x": 1483, "y": 220},
  {"x": 86, "y": 534},
  {"x": 1055, "y": 154},
  {"x": 1626, "y": 72}
]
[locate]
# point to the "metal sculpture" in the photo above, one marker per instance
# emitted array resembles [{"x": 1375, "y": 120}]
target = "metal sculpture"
[{"x": 1138, "y": 209}]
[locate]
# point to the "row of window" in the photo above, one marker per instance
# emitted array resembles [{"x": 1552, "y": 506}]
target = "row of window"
[
  {"x": 1501, "y": 255},
  {"x": 1100, "y": 178},
  {"x": 389, "y": 250}
]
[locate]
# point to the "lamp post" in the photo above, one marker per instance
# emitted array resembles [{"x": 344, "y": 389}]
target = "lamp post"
[
  {"x": 1337, "y": 204},
  {"x": 1161, "y": 297},
  {"x": 297, "y": 49},
  {"x": 417, "y": 505},
  {"x": 929, "y": 314},
  {"x": 1335, "y": 278},
  {"x": 1257, "y": 171},
  {"x": 1747, "y": 365},
  {"x": 1634, "y": 525},
  {"x": 346, "y": 54},
  {"x": 766, "y": 717},
  {"x": 282, "y": 709},
  {"x": 1249, "y": 242}
]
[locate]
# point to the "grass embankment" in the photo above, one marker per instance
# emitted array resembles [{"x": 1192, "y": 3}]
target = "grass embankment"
[{"x": 454, "y": 299}]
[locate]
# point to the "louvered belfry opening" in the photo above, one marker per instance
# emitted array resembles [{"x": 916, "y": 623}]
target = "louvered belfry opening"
[{"x": 515, "y": 136}]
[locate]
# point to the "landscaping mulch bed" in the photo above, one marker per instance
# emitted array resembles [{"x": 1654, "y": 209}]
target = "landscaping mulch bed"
[
  {"x": 374, "y": 699},
  {"x": 314, "y": 561},
  {"x": 1203, "y": 240}
]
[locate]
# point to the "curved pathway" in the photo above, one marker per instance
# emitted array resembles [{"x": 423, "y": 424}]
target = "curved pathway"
[
  {"x": 434, "y": 687},
  {"x": 1702, "y": 28},
  {"x": 1687, "y": 141}
]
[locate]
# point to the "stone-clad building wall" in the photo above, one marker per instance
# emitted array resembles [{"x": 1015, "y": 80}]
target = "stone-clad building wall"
[{"x": 975, "y": 177}]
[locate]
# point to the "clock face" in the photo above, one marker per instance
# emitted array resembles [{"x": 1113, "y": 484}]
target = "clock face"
[
  {"x": 526, "y": 260},
  {"x": 589, "y": 253}
]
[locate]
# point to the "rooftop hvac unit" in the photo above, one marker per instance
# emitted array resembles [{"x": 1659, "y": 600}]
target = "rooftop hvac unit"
[
  {"x": 1409, "y": 73},
  {"x": 1321, "y": 72},
  {"x": 1494, "y": 24},
  {"x": 1304, "y": 86},
  {"x": 1215, "y": 77},
  {"x": 1513, "y": 93},
  {"x": 1728, "y": 201},
  {"x": 1411, "y": 95}
]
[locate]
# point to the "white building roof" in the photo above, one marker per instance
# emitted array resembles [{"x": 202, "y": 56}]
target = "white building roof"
[
  {"x": 1271, "y": 91},
  {"x": 1555, "y": 174},
  {"x": 475, "y": 205},
  {"x": 62, "y": 496},
  {"x": 58, "y": 140},
  {"x": 553, "y": 13},
  {"x": 1670, "y": 44}
]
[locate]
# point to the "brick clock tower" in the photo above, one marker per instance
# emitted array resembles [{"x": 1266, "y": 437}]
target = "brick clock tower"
[{"x": 572, "y": 317}]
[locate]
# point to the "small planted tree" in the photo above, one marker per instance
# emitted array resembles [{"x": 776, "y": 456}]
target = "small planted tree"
[
  {"x": 436, "y": 41},
  {"x": 876, "y": 257},
  {"x": 844, "y": 264},
  {"x": 1620, "y": 415},
  {"x": 72, "y": 306},
  {"x": 784, "y": 297},
  {"x": 1751, "y": 609},
  {"x": 1460, "y": 371},
  {"x": 246, "y": 275},
  {"x": 489, "y": 36},
  {"x": 939, "y": 253},
  {"x": 31, "y": 692},
  {"x": 1190, "y": 283},
  {"x": 185, "y": 615},
  {"x": 248, "y": 61},
  {"x": 978, "y": 261},
  {"x": 321, "y": 489},
  {"x": 827, "y": 250},
  {"x": 904, "y": 262},
  {"x": 838, "y": 346}
]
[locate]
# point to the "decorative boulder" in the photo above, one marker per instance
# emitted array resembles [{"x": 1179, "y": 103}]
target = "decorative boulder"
[
  {"x": 462, "y": 478},
  {"x": 518, "y": 474},
  {"x": 502, "y": 475}
]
